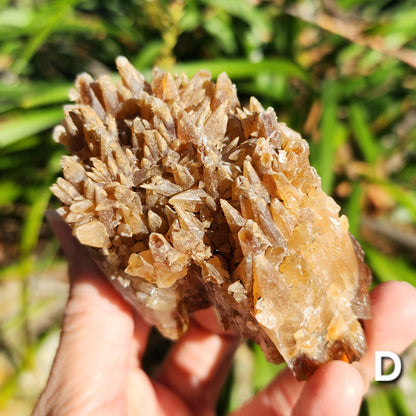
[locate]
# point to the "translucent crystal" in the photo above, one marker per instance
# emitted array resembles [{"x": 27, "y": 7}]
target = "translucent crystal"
[{"x": 188, "y": 200}]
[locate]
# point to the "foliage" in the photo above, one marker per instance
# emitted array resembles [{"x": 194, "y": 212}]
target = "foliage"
[{"x": 342, "y": 73}]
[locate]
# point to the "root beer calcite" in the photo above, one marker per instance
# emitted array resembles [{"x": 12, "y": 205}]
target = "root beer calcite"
[{"x": 186, "y": 199}]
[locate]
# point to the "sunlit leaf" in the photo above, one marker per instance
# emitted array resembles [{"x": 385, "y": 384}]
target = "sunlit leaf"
[
  {"x": 22, "y": 125},
  {"x": 364, "y": 138},
  {"x": 8, "y": 192},
  {"x": 33, "y": 221},
  {"x": 264, "y": 372},
  {"x": 390, "y": 268},
  {"x": 354, "y": 208},
  {"x": 241, "y": 68},
  {"x": 378, "y": 404},
  {"x": 332, "y": 135}
]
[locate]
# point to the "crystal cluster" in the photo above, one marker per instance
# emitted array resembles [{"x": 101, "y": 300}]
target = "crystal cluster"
[{"x": 186, "y": 199}]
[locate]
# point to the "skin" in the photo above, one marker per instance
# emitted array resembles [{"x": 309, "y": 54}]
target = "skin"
[{"x": 97, "y": 368}]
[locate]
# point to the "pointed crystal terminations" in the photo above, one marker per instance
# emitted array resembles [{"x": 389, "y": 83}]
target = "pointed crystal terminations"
[{"x": 186, "y": 199}]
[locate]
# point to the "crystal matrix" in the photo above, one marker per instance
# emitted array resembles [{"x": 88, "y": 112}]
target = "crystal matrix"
[{"x": 187, "y": 200}]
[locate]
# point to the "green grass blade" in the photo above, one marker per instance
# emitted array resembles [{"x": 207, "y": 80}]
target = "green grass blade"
[
  {"x": 354, "y": 209},
  {"x": 33, "y": 222},
  {"x": 323, "y": 153},
  {"x": 398, "y": 399},
  {"x": 13, "y": 17},
  {"x": 365, "y": 139},
  {"x": 243, "y": 68},
  {"x": 404, "y": 197},
  {"x": 241, "y": 389},
  {"x": 52, "y": 16},
  {"x": 46, "y": 94},
  {"x": 378, "y": 404},
  {"x": 245, "y": 11},
  {"x": 222, "y": 31},
  {"x": 148, "y": 55},
  {"x": 22, "y": 125},
  {"x": 390, "y": 268},
  {"x": 264, "y": 372},
  {"x": 8, "y": 192}
]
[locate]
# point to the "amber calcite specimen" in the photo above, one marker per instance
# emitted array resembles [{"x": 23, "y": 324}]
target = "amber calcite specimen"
[{"x": 187, "y": 199}]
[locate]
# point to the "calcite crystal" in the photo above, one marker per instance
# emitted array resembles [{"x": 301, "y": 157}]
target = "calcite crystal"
[{"x": 187, "y": 199}]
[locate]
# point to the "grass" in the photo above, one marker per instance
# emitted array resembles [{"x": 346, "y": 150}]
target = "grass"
[{"x": 342, "y": 73}]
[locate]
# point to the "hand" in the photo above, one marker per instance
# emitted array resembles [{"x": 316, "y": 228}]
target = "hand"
[{"x": 97, "y": 366}]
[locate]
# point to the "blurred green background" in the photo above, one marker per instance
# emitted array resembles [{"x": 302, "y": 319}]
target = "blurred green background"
[{"x": 340, "y": 72}]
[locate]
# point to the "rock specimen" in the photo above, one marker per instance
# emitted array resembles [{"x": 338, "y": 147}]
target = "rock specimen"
[{"x": 187, "y": 200}]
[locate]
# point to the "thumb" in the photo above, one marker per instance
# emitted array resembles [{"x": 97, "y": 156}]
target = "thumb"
[{"x": 89, "y": 373}]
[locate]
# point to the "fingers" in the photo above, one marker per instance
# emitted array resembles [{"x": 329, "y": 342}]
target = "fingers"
[
  {"x": 338, "y": 385},
  {"x": 277, "y": 399},
  {"x": 101, "y": 338},
  {"x": 335, "y": 386},
  {"x": 392, "y": 326},
  {"x": 198, "y": 363},
  {"x": 96, "y": 340}
]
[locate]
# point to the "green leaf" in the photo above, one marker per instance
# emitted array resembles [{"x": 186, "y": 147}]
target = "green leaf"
[
  {"x": 49, "y": 19},
  {"x": 8, "y": 192},
  {"x": 269, "y": 85},
  {"x": 398, "y": 400},
  {"x": 354, "y": 209},
  {"x": 378, "y": 404},
  {"x": 264, "y": 372},
  {"x": 45, "y": 94},
  {"x": 365, "y": 139},
  {"x": 24, "y": 124},
  {"x": 390, "y": 268},
  {"x": 222, "y": 31},
  {"x": 15, "y": 17},
  {"x": 33, "y": 221},
  {"x": 402, "y": 23},
  {"x": 242, "y": 68},
  {"x": 323, "y": 157},
  {"x": 30, "y": 142},
  {"x": 148, "y": 55},
  {"x": 403, "y": 197},
  {"x": 247, "y": 12}
]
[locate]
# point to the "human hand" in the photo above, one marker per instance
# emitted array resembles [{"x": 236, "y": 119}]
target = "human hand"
[{"x": 97, "y": 368}]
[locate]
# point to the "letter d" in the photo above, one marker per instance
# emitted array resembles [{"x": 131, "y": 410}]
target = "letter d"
[{"x": 378, "y": 368}]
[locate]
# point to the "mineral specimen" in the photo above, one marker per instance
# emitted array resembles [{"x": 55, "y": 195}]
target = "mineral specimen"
[{"x": 186, "y": 199}]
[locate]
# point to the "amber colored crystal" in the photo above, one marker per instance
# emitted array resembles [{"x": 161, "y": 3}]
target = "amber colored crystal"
[{"x": 187, "y": 199}]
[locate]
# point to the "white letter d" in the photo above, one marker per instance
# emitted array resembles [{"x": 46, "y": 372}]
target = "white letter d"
[{"x": 379, "y": 356}]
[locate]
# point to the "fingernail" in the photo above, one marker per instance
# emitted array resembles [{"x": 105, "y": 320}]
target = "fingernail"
[{"x": 363, "y": 372}]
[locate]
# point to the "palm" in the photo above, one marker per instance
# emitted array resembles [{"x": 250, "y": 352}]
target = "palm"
[{"x": 189, "y": 380}]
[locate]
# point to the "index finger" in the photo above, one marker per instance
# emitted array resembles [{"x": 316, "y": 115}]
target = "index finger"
[
  {"x": 197, "y": 365},
  {"x": 392, "y": 326}
]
